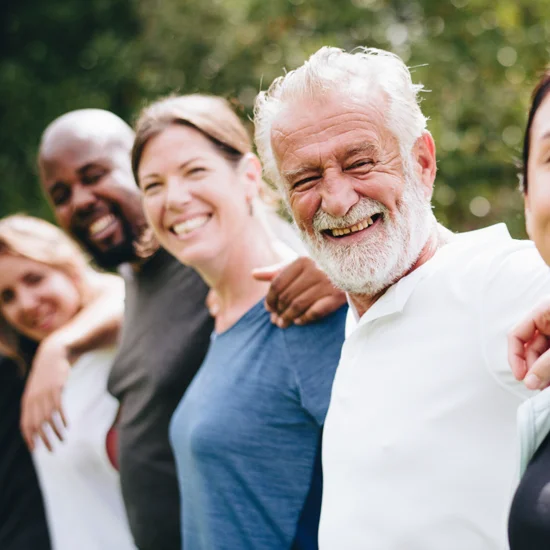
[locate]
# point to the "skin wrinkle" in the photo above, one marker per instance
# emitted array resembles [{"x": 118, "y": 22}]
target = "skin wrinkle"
[{"x": 342, "y": 192}]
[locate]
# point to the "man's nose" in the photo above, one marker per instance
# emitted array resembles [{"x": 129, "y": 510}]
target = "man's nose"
[
  {"x": 337, "y": 195},
  {"x": 83, "y": 199}
]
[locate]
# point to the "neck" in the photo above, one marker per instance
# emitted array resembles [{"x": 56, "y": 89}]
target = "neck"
[
  {"x": 230, "y": 276},
  {"x": 439, "y": 237}
]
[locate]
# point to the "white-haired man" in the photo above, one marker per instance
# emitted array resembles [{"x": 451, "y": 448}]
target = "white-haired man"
[{"x": 419, "y": 443}]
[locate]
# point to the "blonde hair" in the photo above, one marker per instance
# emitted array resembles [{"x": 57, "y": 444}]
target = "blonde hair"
[
  {"x": 38, "y": 240},
  {"x": 213, "y": 116}
]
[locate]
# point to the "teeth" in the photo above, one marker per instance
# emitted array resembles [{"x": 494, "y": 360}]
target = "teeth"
[
  {"x": 100, "y": 224},
  {"x": 189, "y": 225},
  {"x": 353, "y": 229}
]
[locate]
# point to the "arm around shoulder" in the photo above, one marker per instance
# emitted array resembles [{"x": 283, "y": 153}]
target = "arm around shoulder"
[
  {"x": 514, "y": 285},
  {"x": 96, "y": 325}
]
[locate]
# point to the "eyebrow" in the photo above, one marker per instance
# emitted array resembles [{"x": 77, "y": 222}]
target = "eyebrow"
[
  {"x": 362, "y": 148},
  {"x": 180, "y": 167},
  {"x": 56, "y": 185},
  {"x": 91, "y": 165}
]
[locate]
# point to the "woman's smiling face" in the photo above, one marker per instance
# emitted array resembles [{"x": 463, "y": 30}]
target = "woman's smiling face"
[
  {"x": 194, "y": 198},
  {"x": 36, "y": 299}
]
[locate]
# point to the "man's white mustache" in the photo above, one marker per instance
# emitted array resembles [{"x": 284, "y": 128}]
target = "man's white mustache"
[{"x": 365, "y": 208}]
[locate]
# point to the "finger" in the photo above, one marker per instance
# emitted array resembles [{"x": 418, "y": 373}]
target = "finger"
[
  {"x": 539, "y": 374},
  {"x": 37, "y": 425},
  {"x": 320, "y": 309},
  {"x": 37, "y": 422},
  {"x": 516, "y": 356},
  {"x": 53, "y": 419},
  {"x": 26, "y": 430},
  {"x": 42, "y": 435},
  {"x": 299, "y": 295},
  {"x": 281, "y": 282},
  {"x": 535, "y": 348},
  {"x": 60, "y": 411},
  {"x": 301, "y": 303},
  {"x": 268, "y": 273},
  {"x": 526, "y": 329},
  {"x": 27, "y": 425}
]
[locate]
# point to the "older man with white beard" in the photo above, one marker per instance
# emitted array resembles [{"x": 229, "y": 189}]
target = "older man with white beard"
[{"x": 419, "y": 444}]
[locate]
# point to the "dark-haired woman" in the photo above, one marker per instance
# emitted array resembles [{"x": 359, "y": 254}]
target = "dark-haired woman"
[{"x": 529, "y": 521}]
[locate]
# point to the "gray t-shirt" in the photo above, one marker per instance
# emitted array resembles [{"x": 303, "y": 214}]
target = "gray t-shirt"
[{"x": 164, "y": 340}]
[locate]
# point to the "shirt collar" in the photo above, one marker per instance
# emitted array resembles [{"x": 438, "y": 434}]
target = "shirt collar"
[{"x": 396, "y": 297}]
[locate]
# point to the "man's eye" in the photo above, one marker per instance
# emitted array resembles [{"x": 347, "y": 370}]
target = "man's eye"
[
  {"x": 360, "y": 164},
  {"x": 304, "y": 182},
  {"x": 33, "y": 278},
  {"x": 93, "y": 177},
  {"x": 7, "y": 296},
  {"x": 60, "y": 196}
]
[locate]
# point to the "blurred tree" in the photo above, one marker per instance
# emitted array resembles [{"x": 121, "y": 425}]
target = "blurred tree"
[
  {"x": 57, "y": 56},
  {"x": 478, "y": 59}
]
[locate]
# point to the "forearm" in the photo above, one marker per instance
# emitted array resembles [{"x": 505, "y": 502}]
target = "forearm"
[{"x": 98, "y": 323}]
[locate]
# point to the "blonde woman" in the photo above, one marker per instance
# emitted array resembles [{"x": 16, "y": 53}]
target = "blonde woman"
[
  {"x": 45, "y": 282},
  {"x": 246, "y": 433}
]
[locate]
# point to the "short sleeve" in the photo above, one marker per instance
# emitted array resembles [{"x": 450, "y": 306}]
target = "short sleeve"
[
  {"x": 515, "y": 282},
  {"x": 314, "y": 352}
]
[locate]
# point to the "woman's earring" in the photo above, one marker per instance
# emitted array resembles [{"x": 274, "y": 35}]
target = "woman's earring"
[{"x": 251, "y": 206}]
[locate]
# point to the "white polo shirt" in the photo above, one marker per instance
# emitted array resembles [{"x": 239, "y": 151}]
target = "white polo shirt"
[{"x": 420, "y": 445}]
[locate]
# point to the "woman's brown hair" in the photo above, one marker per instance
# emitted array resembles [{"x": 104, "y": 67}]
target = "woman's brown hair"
[
  {"x": 542, "y": 89},
  {"x": 211, "y": 115}
]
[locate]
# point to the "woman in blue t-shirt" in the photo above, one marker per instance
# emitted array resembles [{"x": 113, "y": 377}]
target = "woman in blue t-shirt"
[{"x": 246, "y": 434}]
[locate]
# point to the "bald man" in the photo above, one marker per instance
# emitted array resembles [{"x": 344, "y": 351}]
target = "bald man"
[{"x": 86, "y": 174}]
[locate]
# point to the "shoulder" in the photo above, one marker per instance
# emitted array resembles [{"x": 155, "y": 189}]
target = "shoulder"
[
  {"x": 479, "y": 256},
  {"x": 318, "y": 338},
  {"x": 95, "y": 357}
]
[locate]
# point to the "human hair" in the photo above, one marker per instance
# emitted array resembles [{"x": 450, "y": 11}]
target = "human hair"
[
  {"x": 212, "y": 116},
  {"x": 38, "y": 240},
  {"x": 542, "y": 89},
  {"x": 361, "y": 75}
]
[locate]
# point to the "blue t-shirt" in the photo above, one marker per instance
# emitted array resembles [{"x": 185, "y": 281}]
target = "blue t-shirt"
[{"x": 246, "y": 435}]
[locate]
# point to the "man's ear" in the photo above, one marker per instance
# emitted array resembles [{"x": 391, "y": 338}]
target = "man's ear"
[
  {"x": 250, "y": 172},
  {"x": 425, "y": 161}
]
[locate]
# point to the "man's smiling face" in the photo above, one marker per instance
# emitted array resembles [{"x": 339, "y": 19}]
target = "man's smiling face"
[
  {"x": 360, "y": 209},
  {"x": 89, "y": 182}
]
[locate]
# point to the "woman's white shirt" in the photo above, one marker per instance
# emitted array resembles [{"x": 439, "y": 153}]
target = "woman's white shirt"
[{"x": 81, "y": 488}]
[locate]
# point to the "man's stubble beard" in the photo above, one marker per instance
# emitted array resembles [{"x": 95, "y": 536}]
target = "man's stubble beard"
[
  {"x": 111, "y": 259},
  {"x": 369, "y": 267}
]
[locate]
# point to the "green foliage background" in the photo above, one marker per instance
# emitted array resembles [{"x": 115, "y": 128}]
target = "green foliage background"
[{"x": 478, "y": 59}]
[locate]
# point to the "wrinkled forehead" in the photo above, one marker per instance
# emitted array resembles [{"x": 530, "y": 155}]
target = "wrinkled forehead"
[{"x": 319, "y": 120}]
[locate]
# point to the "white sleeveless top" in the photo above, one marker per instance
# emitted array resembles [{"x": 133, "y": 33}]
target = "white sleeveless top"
[{"x": 81, "y": 488}]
